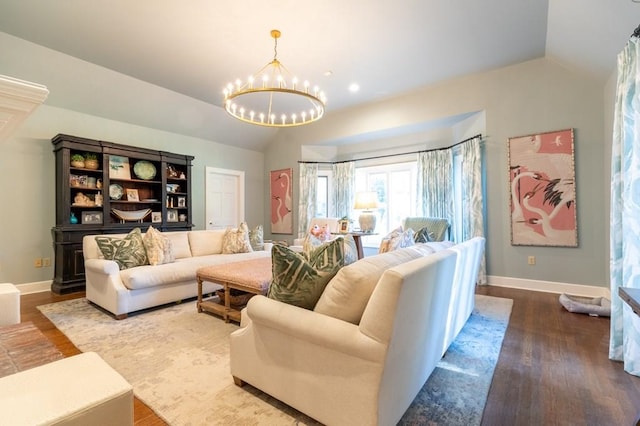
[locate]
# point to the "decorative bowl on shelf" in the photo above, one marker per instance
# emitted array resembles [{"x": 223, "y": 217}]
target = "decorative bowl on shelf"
[
  {"x": 131, "y": 216},
  {"x": 144, "y": 170},
  {"x": 115, "y": 191}
]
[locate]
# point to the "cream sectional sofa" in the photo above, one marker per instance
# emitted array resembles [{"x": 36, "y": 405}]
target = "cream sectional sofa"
[
  {"x": 376, "y": 334},
  {"x": 123, "y": 291}
]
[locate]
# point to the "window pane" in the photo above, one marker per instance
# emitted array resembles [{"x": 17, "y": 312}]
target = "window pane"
[
  {"x": 400, "y": 188},
  {"x": 322, "y": 197}
]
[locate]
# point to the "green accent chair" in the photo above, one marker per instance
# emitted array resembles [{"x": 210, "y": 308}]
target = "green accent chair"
[{"x": 438, "y": 227}]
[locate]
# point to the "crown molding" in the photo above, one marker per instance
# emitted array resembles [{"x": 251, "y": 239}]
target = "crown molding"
[{"x": 18, "y": 99}]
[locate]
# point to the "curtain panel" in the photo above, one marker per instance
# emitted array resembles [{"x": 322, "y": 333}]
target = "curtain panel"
[
  {"x": 472, "y": 197},
  {"x": 435, "y": 184},
  {"x": 344, "y": 178},
  {"x": 307, "y": 197},
  {"x": 624, "y": 343}
]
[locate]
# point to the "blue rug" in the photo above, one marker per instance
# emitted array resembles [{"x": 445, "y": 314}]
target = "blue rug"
[{"x": 457, "y": 390}]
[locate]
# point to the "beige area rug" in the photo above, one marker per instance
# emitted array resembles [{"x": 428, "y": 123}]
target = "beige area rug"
[{"x": 178, "y": 363}]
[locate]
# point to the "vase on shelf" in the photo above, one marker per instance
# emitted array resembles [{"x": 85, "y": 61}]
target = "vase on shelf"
[{"x": 73, "y": 219}]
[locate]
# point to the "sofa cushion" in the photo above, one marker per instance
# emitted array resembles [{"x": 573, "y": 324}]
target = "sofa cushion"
[
  {"x": 158, "y": 247},
  {"x": 236, "y": 240},
  {"x": 397, "y": 239},
  {"x": 203, "y": 243},
  {"x": 347, "y": 294},
  {"x": 181, "y": 271},
  {"x": 300, "y": 278},
  {"x": 179, "y": 243},
  {"x": 127, "y": 252}
]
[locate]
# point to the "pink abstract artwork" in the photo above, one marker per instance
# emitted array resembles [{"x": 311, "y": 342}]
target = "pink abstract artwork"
[
  {"x": 281, "y": 201},
  {"x": 542, "y": 189}
]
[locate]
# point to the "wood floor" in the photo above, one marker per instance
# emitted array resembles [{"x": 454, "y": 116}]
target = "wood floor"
[{"x": 553, "y": 368}]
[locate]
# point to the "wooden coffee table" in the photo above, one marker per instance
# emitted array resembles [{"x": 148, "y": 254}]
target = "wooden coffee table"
[{"x": 251, "y": 276}]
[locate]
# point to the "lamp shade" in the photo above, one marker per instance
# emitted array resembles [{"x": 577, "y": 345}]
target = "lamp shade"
[{"x": 366, "y": 200}]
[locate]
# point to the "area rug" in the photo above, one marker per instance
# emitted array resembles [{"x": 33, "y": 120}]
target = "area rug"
[{"x": 178, "y": 363}]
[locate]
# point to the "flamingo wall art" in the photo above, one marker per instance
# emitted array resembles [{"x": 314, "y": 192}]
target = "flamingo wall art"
[
  {"x": 281, "y": 202},
  {"x": 543, "y": 190}
]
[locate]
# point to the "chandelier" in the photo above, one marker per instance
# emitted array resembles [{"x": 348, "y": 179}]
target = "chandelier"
[{"x": 272, "y": 98}]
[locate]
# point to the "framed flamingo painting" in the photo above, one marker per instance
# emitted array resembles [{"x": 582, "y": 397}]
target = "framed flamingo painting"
[
  {"x": 281, "y": 201},
  {"x": 542, "y": 189}
]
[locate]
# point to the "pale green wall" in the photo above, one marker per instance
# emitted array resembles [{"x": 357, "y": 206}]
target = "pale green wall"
[
  {"x": 27, "y": 185},
  {"x": 530, "y": 97}
]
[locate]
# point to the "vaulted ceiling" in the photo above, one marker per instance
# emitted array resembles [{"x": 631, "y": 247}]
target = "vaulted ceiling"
[{"x": 188, "y": 51}]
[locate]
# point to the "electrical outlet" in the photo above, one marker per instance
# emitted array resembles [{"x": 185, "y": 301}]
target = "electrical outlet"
[
  {"x": 531, "y": 260},
  {"x": 46, "y": 262},
  {"x": 37, "y": 263}
]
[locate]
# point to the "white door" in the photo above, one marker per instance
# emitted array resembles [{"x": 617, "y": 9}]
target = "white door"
[{"x": 224, "y": 198}]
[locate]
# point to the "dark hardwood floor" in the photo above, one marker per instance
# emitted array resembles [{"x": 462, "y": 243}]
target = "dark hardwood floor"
[{"x": 553, "y": 368}]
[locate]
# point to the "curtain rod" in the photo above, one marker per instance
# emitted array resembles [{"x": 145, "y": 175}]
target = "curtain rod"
[{"x": 479, "y": 135}]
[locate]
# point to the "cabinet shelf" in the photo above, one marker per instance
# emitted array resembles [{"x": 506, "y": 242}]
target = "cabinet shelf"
[{"x": 170, "y": 169}]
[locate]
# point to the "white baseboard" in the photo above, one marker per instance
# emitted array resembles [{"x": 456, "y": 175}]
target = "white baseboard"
[
  {"x": 36, "y": 287},
  {"x": 520, "y": 283},
  {"x": 549, "y": 286}
]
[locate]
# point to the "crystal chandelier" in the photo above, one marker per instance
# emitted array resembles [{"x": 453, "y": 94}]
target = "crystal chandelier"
[{"x": 272, "y": 98}]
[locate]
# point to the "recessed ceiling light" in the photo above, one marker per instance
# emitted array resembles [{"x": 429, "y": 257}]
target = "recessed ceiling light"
[
  {"x": 328, "y": 73},
  {"x": 354, "y": 87}
]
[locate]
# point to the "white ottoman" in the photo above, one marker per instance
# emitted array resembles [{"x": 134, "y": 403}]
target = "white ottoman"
[
  {"x": 9, "y": 304},
  {"x": 79, "y": 390}
]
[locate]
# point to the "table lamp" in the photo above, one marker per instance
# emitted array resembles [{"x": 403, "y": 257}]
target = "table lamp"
[{"x": 366, "y": 201}]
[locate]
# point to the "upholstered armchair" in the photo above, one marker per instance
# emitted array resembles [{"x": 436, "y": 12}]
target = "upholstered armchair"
[
  {"x": 438, "y": 227},
  {"x": 332, "y": 223}
]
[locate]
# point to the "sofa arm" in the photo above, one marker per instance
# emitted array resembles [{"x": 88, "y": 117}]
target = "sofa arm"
[
  {"x": 102, "y": 266},
  {"x": 312, "y": 327}
]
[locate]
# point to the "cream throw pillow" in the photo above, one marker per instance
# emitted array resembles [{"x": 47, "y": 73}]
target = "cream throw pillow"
[
  {"x": 397, "y": 239},
  {"x": 236, "y": 241},
  {"x": 256, "y": 238},
  {"x": 158, "y": 247}
]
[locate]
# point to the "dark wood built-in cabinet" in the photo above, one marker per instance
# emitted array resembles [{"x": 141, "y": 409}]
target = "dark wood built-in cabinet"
[{"x": 110, "y": 195}]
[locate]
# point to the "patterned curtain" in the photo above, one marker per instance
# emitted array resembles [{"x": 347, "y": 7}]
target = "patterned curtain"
[
  {"x": 472, "y": 201},
  {"x": 624, "y": 344},
  {"x": 344, "y": 178},
  {"x": 435, "y": 184},
  {"x": 307, "y": 197}
]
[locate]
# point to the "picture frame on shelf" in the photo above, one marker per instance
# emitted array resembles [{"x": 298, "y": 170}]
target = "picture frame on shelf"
[
  {"x": 182, "y": 201},
  {"x": 91, "y": 217},
  {"x": 119, "y": 167},
  {"x": 74, "y": 180},
  {"x": 132, "y": 195},
  {"x": 156, "y": 217},
  {"x": 172, "y": 215}
]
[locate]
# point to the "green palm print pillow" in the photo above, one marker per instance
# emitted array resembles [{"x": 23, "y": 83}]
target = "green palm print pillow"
[{"x": 299, "y": 279}]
